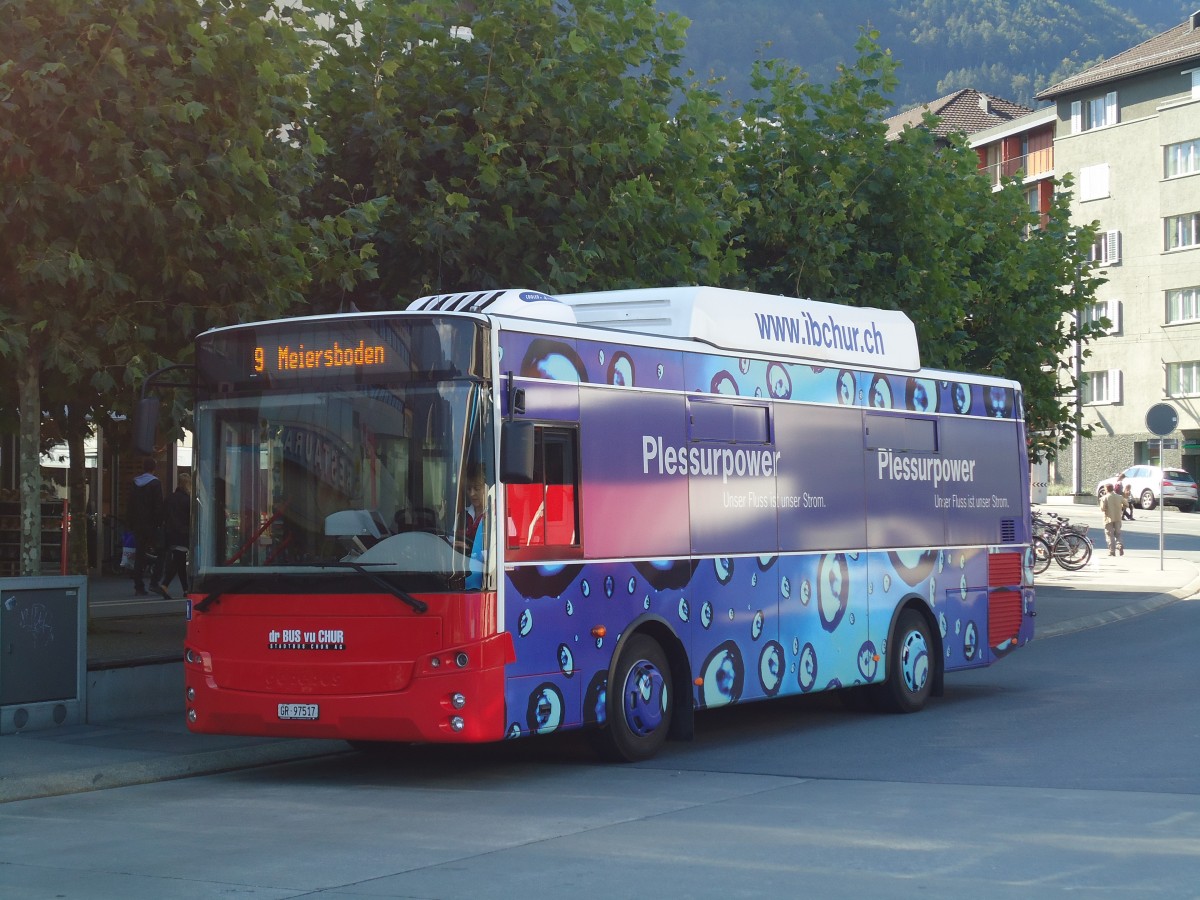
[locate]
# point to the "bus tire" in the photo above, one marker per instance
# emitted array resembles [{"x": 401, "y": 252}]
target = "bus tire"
[
  {"x": 640, "y": 703},
  {"x": 910, "y": 666}
]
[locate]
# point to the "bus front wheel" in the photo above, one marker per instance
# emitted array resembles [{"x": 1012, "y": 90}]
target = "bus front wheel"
[
  {"x": 639, "y": 704},
  {"x": 910, "y": 666}
]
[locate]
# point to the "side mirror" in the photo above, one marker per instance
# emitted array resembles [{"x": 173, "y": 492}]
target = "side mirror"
[
  {"x": 516, "y": 452},
  {"x": 145, "y": 425}
]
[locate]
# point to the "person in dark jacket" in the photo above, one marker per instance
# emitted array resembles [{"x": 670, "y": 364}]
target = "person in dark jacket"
[
  {"x": 145, "y": 515},
  {"x": 1128, "y": 503},
  {"x": 177, "y": 530}
]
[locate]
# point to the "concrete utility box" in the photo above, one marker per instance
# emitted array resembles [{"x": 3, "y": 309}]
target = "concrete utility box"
[
  {"x": 43, "y": 652},
  {"x": 1039, "y": 482}
]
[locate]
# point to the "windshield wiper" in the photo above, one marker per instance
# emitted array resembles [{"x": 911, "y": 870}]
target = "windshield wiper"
[
  {"x": 214, "y": 597},
  {"x": 418, "y": 605}
]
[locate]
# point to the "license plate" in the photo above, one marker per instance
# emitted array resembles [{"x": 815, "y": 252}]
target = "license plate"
[{"x": 298, "y": 710}]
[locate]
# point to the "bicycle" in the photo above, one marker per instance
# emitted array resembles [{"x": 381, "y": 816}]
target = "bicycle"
[
  {"x": 1042, "y": 554},
  {"x": 1069, "y": 544}
]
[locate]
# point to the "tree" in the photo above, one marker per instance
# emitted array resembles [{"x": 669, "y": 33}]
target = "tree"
[
  {"x": 151, "y": 163},
  {"x": 1035, "y": 284},
  {"x": 839, "y": 212},
  {"x": 522, "y": 143}
]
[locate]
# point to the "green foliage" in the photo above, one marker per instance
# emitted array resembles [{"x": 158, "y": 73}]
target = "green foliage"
[
  {"x": 172, "y": 165},
  {"x": 553, "y": 146},
  {"x": 838, "y": 212},
  {"x": 1034, "y": 283},
  {"x": 149, "y": 173}
]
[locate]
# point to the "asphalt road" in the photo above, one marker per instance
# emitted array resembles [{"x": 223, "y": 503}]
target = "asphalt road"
[{"x": 1067, "y": 769}]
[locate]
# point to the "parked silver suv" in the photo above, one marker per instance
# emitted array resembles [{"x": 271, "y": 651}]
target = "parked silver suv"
[{"x": 1150, "y": 484}]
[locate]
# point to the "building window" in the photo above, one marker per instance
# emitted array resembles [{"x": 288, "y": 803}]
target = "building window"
[
  {"x": 1196, "y": 84},
  {"x": 1100, "y": 387},
  {"x": 1183, "y": 379},
  {"x": 1104, "y": 309},
  {"x": 1183, "y": 231},
  {"x": 994, "y": 165},
  {"x": 1183, "y": 158},
  {"x": 1183, "y": 305},
  {"x": 1094, "y": 113},
  {"x": 1093, "y": 182},
  {"x": 1107, "y": 249}
]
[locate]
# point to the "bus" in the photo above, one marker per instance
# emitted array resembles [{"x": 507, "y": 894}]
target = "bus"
[{"x": 506, "y": 513}]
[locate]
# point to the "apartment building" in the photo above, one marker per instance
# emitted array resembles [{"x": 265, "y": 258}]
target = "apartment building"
[
  {"x": 1128, "y": 131},
  {"x": 1021, "y": 148}
]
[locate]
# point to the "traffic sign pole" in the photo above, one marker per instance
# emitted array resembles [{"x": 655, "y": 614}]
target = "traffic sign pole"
[
  {"x": 1162, "y": 530},
  {"x": 1161, "y": 420}
]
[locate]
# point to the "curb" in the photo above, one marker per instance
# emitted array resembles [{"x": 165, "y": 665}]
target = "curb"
[
  {"x": 1120, "y": 613},
  {"x": 211, "y": 762}
]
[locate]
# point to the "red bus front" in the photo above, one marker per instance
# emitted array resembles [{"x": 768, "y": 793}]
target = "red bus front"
[
  {"x": 359, "y": 667},
  {"x": 345, "y": 552}
]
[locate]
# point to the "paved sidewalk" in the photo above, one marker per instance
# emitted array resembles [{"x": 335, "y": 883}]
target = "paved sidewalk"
[
  {"x": 78, "y": 758},
  {"x": 1110, "y": 589},
  {"x": 125, "y": 631}
]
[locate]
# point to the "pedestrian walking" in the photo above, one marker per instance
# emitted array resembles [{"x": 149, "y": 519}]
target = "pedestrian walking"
[
  {"x": 1113, "y": 506},
  {"x": 145, "y": 515},
  {"x": 177, "y": 529}
]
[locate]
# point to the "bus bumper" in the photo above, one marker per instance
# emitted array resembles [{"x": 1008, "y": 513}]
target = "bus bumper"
[{"x": 442, "y": 702}]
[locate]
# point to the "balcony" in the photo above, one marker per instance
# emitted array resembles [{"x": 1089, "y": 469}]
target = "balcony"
[{"x": 1037, "y": 164}]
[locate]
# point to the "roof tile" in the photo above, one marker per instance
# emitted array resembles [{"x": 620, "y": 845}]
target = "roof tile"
[{"x": 962, "y": 112}]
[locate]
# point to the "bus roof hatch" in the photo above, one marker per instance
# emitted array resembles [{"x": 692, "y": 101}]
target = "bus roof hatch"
[{"x": 516, "y": 302}]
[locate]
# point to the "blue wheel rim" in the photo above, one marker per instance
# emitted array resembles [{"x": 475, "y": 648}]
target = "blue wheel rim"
[
  {"x": 914, "y": 661},
  {"x": 644, "y": 698}
]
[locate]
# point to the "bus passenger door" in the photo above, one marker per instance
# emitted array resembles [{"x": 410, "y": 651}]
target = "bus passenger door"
[
  {"x": 906, "y": 513},
  {"x": 729, "y": 458},
  {"x": 822, "y": 568}
]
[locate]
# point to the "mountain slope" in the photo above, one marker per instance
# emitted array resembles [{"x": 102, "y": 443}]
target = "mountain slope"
[{"x": 1011, "y": 48}]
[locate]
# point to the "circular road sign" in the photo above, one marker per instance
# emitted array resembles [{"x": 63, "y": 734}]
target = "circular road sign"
[{"x": 1161, "y": 419}]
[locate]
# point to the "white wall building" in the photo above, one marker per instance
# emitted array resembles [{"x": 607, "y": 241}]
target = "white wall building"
[{"x": 1128, "y": 131}]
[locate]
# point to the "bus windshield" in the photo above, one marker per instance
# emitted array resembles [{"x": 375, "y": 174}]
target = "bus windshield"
[{"x": 381, "y": 477}]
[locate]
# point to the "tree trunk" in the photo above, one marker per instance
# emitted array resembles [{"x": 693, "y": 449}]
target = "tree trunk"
[
  {"x": 29, "y": 391},
  {"x": 77, "y": 560}
]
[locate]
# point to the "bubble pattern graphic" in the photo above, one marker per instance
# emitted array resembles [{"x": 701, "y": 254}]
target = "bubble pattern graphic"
[
  {"x": 714, "y": 373},
  {"x": 800, "y": 622},
  {"x": 836, "y": 637}
]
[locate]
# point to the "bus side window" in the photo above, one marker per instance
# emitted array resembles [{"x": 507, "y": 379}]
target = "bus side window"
[
  {"x": 904, "y": 434},
  {"x": 546, "y": 513}
]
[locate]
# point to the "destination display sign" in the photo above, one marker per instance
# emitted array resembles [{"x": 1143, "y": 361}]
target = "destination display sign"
[
  {"x": 337, "y": 349},
  {"x": 288, "y": 358}
]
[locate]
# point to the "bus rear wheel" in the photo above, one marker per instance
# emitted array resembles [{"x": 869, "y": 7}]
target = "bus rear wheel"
[
  {"x": 640, "y": 703},
  {"x": 910, "y": 666}
]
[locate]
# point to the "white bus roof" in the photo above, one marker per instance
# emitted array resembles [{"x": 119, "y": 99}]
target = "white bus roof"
[{"x": 737, "y": 321}]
